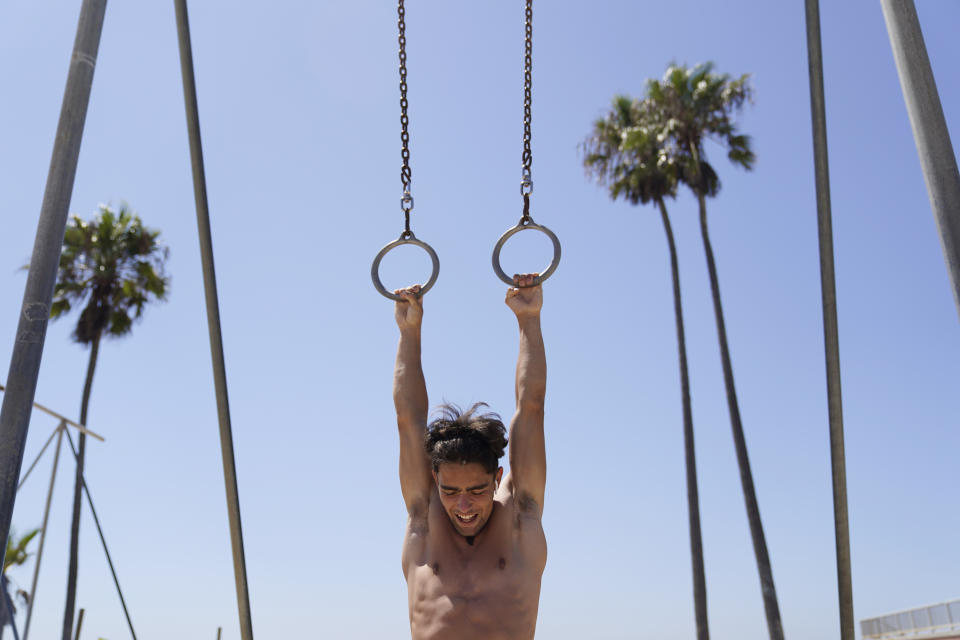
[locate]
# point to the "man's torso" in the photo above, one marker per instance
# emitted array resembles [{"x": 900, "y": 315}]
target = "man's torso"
[{"x": 488, "y": 590}]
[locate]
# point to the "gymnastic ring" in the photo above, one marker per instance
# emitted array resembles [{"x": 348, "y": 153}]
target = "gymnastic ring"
[
  {"x": 526, "y": 223},
  {"x": 404, "y": 239}
]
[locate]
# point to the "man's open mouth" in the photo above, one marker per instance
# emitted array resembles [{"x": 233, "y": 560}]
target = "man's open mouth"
[{"x": 467, "y": 520}]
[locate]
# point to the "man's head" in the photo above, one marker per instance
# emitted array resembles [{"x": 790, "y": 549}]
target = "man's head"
[{"x": 464, "y": 450}]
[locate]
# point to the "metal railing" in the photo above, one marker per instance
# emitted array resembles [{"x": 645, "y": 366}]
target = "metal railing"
[{"x": 923, "y": 622}]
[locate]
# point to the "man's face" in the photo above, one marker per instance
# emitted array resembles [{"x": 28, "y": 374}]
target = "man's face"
[{"x": 466, "y": 493}]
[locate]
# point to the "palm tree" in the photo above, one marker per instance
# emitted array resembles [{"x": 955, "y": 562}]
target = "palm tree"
[
  {"x": 627, "y": 153},
  {"x": 14, "y": 555},
  {"x": 113, "y": 266},
  {"x": 695, "y": 105}
]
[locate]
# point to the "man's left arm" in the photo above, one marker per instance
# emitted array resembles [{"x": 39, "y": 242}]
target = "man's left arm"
[{"x": 528, "y": 459}]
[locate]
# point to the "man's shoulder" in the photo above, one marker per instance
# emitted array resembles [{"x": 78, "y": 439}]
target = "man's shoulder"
[
  {"x": 522, "y": 526},
  {"x": 524, "y": 530}
]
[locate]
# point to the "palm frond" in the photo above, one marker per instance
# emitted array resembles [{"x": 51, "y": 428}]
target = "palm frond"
[
  {"x": 625, "y": 153},
  {"x": 691, "y": 105},
  {"x": 16, "y": 550},
  {"x": 111, "y": 266}
]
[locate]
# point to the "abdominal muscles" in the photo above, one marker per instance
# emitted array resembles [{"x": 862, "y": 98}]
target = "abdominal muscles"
[{"x": 469, "y": 602}]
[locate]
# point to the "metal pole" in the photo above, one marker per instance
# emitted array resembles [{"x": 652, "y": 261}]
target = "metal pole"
[
  {"x": 38, "y": 293},
  {"x": 33, "y": 464},
  {"x": 213, "y": 321},
  {"x": 76, "y": 636},
  {"x": 8, "y": 606},
  {"x": 831, "y": 339},
  {"x": 43, "y": 531},
  {"x": 77, "y": 425},
  {"x": 103, "y": 540},
  {"x": 929, "y": 129}
]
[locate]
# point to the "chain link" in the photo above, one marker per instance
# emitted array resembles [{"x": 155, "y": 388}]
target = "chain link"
[
  {"x": 406, "y": 201},
  {"x": 526, "y": 186}
]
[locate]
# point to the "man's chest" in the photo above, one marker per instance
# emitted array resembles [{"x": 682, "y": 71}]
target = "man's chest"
[
  {"x": 502, "y": 562},
  {"x": 493, "y": 567}
]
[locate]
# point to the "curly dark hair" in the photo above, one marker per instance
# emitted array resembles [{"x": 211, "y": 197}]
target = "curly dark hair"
[{"x": 465, "y": 437}]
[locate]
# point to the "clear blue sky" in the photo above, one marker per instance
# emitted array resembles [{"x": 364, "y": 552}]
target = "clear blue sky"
[{"x": 299, "y": 113}]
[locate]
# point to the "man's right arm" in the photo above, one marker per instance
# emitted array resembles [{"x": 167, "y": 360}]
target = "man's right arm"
[{"x": 410, "y": 400}]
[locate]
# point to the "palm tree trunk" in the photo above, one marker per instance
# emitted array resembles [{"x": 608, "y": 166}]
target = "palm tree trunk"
[
  {"x": 693, "y": 499},
  {"x": 774, "y": 625},
  {"x": 77, "y": 495}
]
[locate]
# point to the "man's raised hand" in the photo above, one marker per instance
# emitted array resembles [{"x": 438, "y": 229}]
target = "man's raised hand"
[
  {"x": 409, "y": 312},
  {"x": 525, "y": 300}
]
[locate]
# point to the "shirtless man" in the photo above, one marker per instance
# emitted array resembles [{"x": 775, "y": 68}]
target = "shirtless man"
[{"x": 474, "y": 549}]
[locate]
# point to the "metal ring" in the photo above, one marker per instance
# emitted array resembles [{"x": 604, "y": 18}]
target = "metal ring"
[
  {"x": 411, "y": 239},
  {"x": 520, "y": 226}
]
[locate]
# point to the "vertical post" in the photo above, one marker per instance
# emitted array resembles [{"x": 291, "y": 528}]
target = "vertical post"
[
  {"x": 213, "y": 320},
  {"x": 831, "y": 339},
  {"x": 929, "y": 129},
  {"x": 43, "y": 531},
  {"x": 38, "y": 293}
]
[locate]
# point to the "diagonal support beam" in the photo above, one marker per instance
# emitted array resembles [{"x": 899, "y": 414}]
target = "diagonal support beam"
[{"x": 103, "y": 542}]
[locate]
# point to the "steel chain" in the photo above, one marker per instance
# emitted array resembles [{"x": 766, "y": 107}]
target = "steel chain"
[
  {"x": 406, "y": 201},
  {"x": 526, "y": 182},
  {"x": 527, "y": 157}
]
